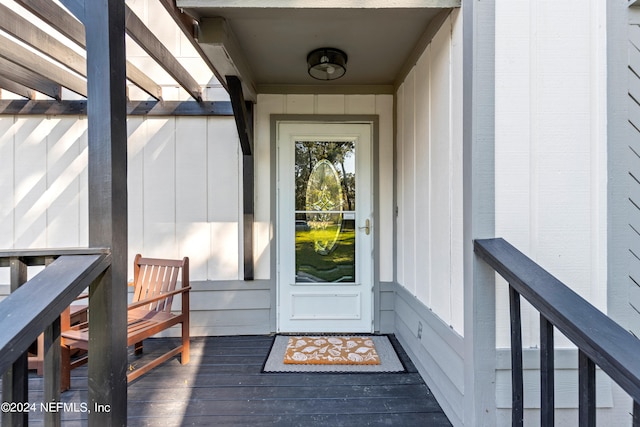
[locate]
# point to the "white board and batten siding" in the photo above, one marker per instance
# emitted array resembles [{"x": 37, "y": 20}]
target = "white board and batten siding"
[
  {"x": 429, "y": 295},
  {"x": 551, "y": 178},
  {"x": 184, "y": 199},
  {"x": 634, "y": 175},
  {"x": 43, "y": 185}
]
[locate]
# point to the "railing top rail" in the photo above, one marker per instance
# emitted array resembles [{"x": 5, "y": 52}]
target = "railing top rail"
[
  {"x": 605, "y": 342},
  {"x": 40, "y": 256},
  {"x": 36, "y": 304}
]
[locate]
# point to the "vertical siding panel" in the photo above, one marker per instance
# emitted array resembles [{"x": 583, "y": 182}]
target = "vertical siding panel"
[
  {"x": 7, "y": 184},
  {"x": 159, "y": 189},
  {"x": 264, "y": 167},
  {"x": 441, "y": 175},
  {"x": 31, "y": 182},
  {"x": 7, "y": 191},
  {"x": 514, "y": 162},
  {"x": 384, "y": 109},
  {"x": 330, "y": 104},
  {"x": 408, "y": 173},
  {"x": 137, "y": 136},
  {"x": 83, "y": 184},
  {"x": 422, "y": 176},
  {"x": 360, "y": 104},
  {"x": 457, "y": 243},
  {"x": 399, "y": 171},
  {"x": 223, "y": 190},
  {"x": 192, "y": 227},
  {"x": 299, "y": 104},
  {"x": 63, "y": 170}
]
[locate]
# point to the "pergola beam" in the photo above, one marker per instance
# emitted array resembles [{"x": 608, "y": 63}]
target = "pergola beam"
[
  {"x": 17, "y": 88},
  {"x": 24, "y": 30},
  {"x": 57, "y": 17},
  {"x": 23, "y": 107},
  {"x": 73, "y": 29},
  {"x": 141, "y": 34},
  {"x": 18, "y": 54},
  {"x": 25, "y": 77}
]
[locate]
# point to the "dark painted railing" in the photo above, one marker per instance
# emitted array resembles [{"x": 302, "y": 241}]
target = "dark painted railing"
[
  {"x": 599, "y": 339},
  {"x": 33, "y": 307}
]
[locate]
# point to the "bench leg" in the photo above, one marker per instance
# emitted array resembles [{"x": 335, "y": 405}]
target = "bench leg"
[
  {"x": 138, "y": 348},
  {"x": 184, "y": 356}
]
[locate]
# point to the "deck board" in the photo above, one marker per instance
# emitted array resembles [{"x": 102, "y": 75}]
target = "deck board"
[{"x": 223, "y": 386}]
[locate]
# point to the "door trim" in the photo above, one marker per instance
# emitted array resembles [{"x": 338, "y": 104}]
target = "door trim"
[{"x": 373, "y": 120}]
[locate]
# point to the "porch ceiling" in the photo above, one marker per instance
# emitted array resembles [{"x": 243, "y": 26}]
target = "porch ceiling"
[{"x": 272, "y": 41}]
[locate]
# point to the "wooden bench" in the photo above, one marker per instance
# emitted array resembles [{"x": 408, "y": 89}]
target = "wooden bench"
[
  {"x": 155, "y": 285},
  {"x": 76, "y": 313}
]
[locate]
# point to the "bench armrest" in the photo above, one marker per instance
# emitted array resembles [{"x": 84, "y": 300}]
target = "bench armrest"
[{"x": 144, "y": 302}]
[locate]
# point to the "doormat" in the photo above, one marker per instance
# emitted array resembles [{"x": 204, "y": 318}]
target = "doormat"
[
  {"x": 331, "y": 351},
  {"x": 365, "y": 354}
]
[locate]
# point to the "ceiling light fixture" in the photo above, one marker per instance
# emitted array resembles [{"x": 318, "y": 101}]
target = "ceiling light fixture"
[{"x": 327, "y": 63}]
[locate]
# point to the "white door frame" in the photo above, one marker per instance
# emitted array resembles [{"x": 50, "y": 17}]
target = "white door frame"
[{"x": 370, "y": 300}]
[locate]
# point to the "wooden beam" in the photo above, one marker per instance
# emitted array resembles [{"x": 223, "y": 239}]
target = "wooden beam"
[
  {"x": 154, "y": 47},
  {"x": 28, "y": 78},
  {"x": 20, "y": 107},
  {"x": 70, "y": 27},
  {"x": 18, "y": 54},
  {"x": 57, "y": 17},
  {"x": 24, "y": 30},
  {"x": 189, "y": 27},
  {"x": 107, "y": 167},
  {"x": 240, "y": 113},
  {"x": 243, "y": 113},
  {"x": 221, "y": 48},
  {"x": 248, "y": 210},
  {"x": 17, "y": 88},
  {"x": 144, "y": 82}
]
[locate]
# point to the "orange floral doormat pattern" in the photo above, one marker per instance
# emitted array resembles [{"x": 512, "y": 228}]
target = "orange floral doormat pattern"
[{"x": 331, "y": 351}]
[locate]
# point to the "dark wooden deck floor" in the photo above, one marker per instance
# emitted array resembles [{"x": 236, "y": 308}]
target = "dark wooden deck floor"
[{"x": 223, "y": 386}]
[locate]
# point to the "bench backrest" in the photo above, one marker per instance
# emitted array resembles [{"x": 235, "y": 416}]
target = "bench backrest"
[{"x": 153, "y": 277}]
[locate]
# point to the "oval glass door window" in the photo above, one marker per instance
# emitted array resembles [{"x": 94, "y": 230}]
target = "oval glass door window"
[
  {"x": 325, "y": 211},
  {"x": 324, "y": 207}
]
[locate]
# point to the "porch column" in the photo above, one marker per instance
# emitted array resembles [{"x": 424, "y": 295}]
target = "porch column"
[
  {"x": 106, "y": 110},
  {"x": 479, "y": 210}
]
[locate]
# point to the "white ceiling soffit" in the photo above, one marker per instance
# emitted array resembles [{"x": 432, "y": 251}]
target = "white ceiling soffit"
[{"x": 266, "y": 43}]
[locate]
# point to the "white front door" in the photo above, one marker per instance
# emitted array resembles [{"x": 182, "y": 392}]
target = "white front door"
[{"x": 325, "y": 227}]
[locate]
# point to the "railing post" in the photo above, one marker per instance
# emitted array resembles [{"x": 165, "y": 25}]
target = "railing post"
[
  {"x": 636, "y": 414},
  {"x": 15, "y": 386},
  {"x": 547, "y": 393},
  {"x": 586, "y": 391},
  {"x": 517, "y": 386},
  {"x": 52, "y": 371}
]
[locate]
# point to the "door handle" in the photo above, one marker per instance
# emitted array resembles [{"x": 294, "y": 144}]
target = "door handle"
[{"x": 367, "y": 227}]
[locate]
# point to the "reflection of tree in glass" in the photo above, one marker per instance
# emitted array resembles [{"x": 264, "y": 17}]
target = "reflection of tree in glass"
[
  {"x": 324, "y": 194},
  {"x": 339, "y": 154}
]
